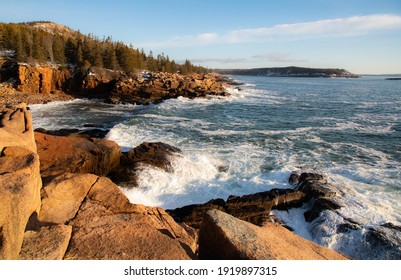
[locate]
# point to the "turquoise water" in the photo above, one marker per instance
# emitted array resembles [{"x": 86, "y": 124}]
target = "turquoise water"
[{"x": 346, "y": 129}]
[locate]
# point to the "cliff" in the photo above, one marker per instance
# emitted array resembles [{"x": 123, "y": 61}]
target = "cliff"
[
  {"x": 67, "y": 213},
  {"x": 47, "y": 82}
]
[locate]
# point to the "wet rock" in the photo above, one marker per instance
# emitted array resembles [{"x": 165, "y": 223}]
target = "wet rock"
[
  {"x": 319, "y": 205},
  {"x": 192, "y": 215},
  {"x": 293, "y": 179},
  {"x": 318, "y": 192},
  {"x": 392, "y": 226},
  {"x": 155, "y": 154},
  {"x": 383, "y": 243},
  {"x": 86, "y": 133},
  {"x": 158, "y": 155},
  {"x": 313, "y": 185},
  {"x": 348, "y": 226},
  {"x": 344, "y": 228},
  {"x": 222, "y": 168},
  {"x": 254, "y": 208}
]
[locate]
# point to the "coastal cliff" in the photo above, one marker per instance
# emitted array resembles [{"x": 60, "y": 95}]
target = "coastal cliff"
[
  {"x": 71, "y": 214},
  {"x": 47, "y": 82}
]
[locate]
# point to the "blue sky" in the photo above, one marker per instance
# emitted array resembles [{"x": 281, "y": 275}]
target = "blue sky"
[{"x": 363, "y": 36}]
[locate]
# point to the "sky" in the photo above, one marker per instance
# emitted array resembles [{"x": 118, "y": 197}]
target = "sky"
[{"x": 362, "y": 36}]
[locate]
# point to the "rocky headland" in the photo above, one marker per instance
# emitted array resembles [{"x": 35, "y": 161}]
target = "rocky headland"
[
  {"x": 42, "y": 83},
  {"x": 291, "y": 71},
  {"x": 57, "y": 203}
]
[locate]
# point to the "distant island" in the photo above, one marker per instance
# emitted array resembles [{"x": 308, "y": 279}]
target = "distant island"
[{"x": 291, "y": 71}]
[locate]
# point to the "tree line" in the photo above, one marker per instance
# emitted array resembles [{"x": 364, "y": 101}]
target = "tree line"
[{"x": 37, "y": 45}]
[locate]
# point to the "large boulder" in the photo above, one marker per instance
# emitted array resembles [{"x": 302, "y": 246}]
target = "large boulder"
[
  {"x": 16, "y": 127},
  {"x": 153, "y": 154},
  {"x": 222, "y": 236},
  {"x": 73, "y": 154},
  {"x": 20, "y": 181},
  {"x": 104, "y": 224},
  {"x": 157, "y": 155},
  {"x": 62, "y": 196},
  {"x": 108, "y": 226},
  {"x": 318, "y": 191}
]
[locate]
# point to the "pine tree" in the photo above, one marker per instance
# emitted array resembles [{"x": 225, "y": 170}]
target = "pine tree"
[
  {"x": 109, "y": 57},
  {"x": 58, "y": 50},
  {"x": 38, "y": 49}
]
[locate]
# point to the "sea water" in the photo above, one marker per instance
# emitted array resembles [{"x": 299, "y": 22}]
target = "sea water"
[{"x": 346, "y": 129}]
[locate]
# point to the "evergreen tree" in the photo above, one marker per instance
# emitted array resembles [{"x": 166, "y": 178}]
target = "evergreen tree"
[
  {"x": 32, "y": 44},
  {"x": 124, "y": 57},
  {"x": 58, "y": 50},
  {"x": 38, "y": 49},
  {"x": 20, "y": 52},
  {"x": 109, "y": 57}
]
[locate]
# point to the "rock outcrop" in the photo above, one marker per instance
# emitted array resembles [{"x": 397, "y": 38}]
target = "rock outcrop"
[
  {"x": 20, "y": 182},
  {"x": 60, "y": 154},
  {"x": 223, "y": 237},
  {"x": 74, "y": 215},
  {"x": 46, "y": 243},
  {"x": 157, "y": 155},
  {"x": 105, "y": 225},
  {"x": 16, "y": 127},
  {"x": 44, "y": 79},
  {"x": 356, "y": 237},
  {"x": 254, "y": 208},
  {"x": 113, "y": 86},
  {"x": 155, "y": 87}
]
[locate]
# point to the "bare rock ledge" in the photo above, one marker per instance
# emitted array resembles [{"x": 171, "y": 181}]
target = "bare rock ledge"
[{"x": 224, "y": 237}]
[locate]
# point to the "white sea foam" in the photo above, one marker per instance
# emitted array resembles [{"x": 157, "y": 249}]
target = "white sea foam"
[{"x": 259, "y": 153}]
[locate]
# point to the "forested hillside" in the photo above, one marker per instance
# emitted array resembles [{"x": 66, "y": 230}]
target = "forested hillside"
[{"x": 50, "y": 42}]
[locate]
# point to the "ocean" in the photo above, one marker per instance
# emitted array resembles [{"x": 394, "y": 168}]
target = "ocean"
[{"x": 349, "y": 130}]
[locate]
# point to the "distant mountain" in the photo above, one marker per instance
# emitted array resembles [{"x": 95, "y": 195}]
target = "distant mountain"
[
  {"x": 291, "y": 71},
  {"x": 51, "y": 27}
]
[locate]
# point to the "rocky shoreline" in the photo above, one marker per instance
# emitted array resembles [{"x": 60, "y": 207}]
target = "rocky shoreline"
[
  {"x": 69, "y": 209},
  {"x": 39, "y": 84}
]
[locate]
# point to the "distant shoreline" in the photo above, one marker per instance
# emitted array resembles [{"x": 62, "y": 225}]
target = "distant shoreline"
[{"x": 291, "y": 71}]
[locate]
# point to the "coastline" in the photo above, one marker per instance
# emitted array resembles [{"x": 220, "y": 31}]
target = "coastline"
[
  {"x": 85, "y": 215},
  {"x": 29, "y": 99},
  {"x": 99, "y": 165}
]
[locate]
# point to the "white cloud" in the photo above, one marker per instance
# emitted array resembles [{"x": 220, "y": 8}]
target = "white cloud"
[{"x": 339, "y": 27}]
